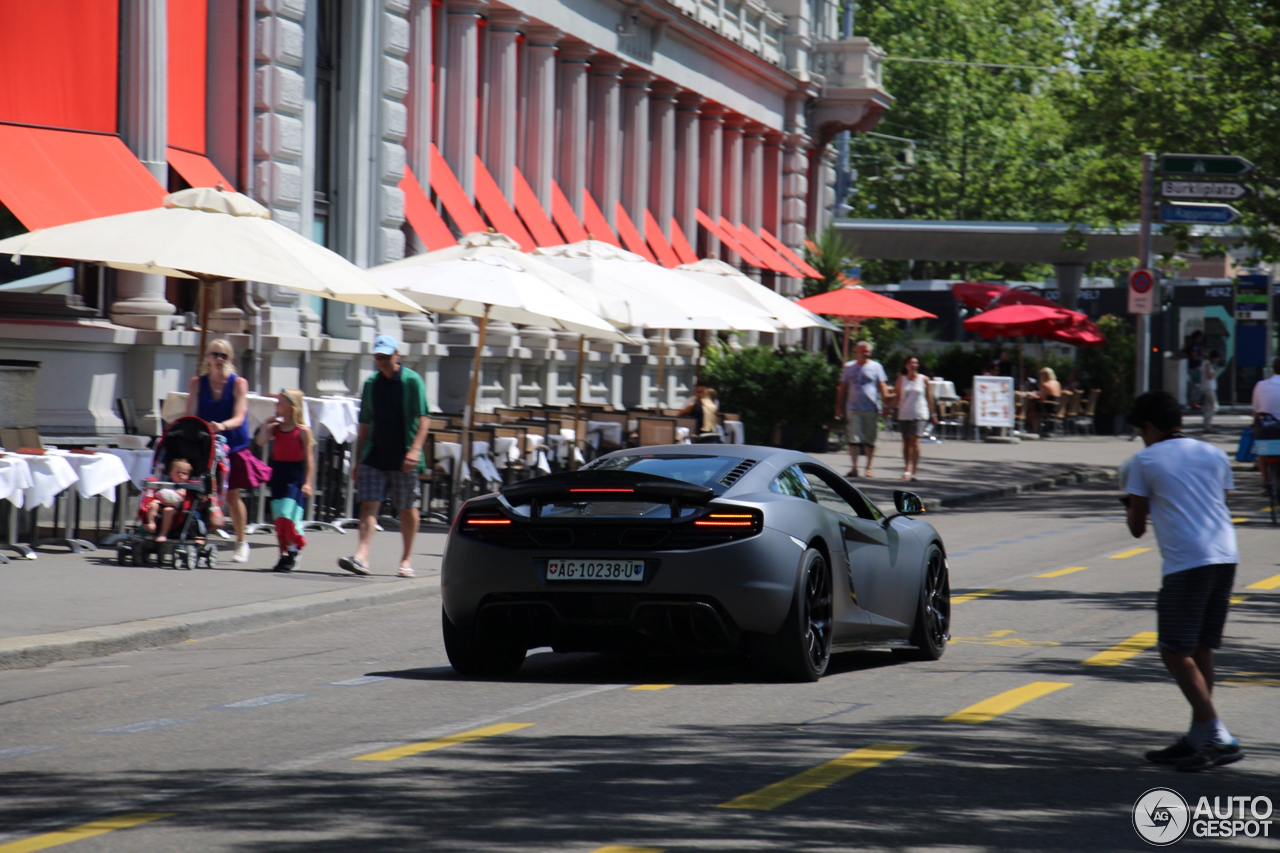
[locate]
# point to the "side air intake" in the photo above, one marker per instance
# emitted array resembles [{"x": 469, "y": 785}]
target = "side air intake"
[{"x": 737, "y": 473}]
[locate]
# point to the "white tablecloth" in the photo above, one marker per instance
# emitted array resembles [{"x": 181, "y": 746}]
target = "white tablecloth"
[
  {"x": 943, "y": 389},
  {"x": 338, "y": 417},
  {"x": 15, "y": 479},
  {"x": 481, "y": 462},
  {"x": 96, "y": 473},
  {"x": 506, "y": 450},
  {"x": 734, "y": 432},
  {"x": 609, "y": 431},
  {"x": 447, "y": 454},
  {"x": 538, "y": 453},
  {"x": 138, "y": 463},
  {"x": 51, "y": 475}
]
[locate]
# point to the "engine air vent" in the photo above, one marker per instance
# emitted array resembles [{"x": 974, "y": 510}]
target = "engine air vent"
[{"x": 737, "y": 473}]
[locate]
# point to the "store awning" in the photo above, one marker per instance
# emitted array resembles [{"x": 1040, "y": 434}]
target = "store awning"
[
  {"x": 594, "y": 221},
  {"x": 423, "y": 216},
  {"x": 658, "y": 242},
  {"x": 502, "y": 217},
  {"x": 566, "y": 220},
  {"x": 730, "y": 242},
  {"x": 52, "y": 177},
  {"x": 783, "y": 249},
  {"x": 630, "y": 234},
  {"x": 762, "y": 249},
  {"x": 680, "y": 243},
  {"x": 197, "y": 169},
  {"x": 454, "y": 197},
  {"x": 535, "y": 218}
]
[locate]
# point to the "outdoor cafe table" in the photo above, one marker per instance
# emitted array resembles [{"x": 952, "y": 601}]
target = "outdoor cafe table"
[{"x": 15, "y": 480}]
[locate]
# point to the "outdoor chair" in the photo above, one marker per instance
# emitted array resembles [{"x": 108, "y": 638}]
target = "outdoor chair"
[
  {"x": 128, "y": 415},
  {"x": 1072, "y": 413},
  {"x": 10, "y": 440},
  {"x": 1084, "y": 420},
  {"x": 516, "y": 470},
  {"x": 651, "y": 431},
  {"x": 1056, "y": 423},
  {"x": 950, "y": 419}
]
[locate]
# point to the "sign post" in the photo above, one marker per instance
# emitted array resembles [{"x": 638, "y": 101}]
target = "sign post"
[
  {"x": 1142, "y": 321},
  {"x": 1198, "y": 214},
  {"x": 1207, "y": 190},
  {"x": 1142, "y": 289}
]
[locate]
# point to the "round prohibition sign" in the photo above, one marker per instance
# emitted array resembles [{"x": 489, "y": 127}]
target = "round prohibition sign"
[{"x": 1141, "y": 280}]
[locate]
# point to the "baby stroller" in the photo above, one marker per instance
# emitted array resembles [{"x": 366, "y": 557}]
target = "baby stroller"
[{"x": 192, "y": 439}]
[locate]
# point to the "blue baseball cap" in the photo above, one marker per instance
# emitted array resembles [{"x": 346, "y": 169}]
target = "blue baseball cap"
[{"x": 384, "y": 345}]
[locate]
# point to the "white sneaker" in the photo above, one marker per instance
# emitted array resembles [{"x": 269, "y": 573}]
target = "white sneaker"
[
  {"x": 242, "y": 553},
  {"x": 406, "y": 572}
]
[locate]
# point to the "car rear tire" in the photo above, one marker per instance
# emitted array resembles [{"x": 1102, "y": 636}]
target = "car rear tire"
[
  {"x": 802, "y": 649},
  {"x": 473, "y": 655},
  {"x": 932, "y": 627}
]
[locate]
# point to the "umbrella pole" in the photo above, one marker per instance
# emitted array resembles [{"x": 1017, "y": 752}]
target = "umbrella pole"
[
  {"x": 468, "y": 413},
  {"x": 845, "y": 349},
  {"x": 204, "y": 297},
  {"x": 577, "y": 397},
  {"x": 662, "y": 366}
]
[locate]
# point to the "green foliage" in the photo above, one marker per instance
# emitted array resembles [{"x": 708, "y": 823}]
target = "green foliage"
[
  {"x": 769, "y": 388},
  {"x": 957, "y": 364},
  {"x": 831, "y": 259},
  {"x": 1110, "y": 368}
]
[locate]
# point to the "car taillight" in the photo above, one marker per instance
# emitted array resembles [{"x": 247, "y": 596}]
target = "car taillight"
[
  {"x": 734, "y": 523},
  {"x": 484, "y": 521}
]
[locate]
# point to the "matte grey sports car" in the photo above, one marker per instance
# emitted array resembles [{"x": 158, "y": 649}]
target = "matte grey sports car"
[{"x": 704, "y": 548}]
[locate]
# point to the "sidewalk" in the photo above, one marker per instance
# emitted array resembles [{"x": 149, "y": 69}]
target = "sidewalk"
[{"x": 65, "y": 606}]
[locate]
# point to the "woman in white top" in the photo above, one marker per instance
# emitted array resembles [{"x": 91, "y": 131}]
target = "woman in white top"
[
  {"x": 1209, "y": 388},
  {"x": 915, "y": 409}
]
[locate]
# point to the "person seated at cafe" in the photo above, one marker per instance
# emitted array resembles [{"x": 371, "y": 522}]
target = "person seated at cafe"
[
  {"x": 1045, "y": 401},
  {"x": 704, "y": 409}
]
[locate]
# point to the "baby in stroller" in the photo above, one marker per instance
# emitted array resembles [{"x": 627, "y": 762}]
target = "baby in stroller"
[{"x": 176, "y": 512}]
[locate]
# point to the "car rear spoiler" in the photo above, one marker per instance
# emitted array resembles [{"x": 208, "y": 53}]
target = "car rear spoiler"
[{"x": 606, "y": 485}]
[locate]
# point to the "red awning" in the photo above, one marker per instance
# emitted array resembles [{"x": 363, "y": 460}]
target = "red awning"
[
  {"x": 855, "y": 301},
  {"x": 762, "y": 250},
  {"x": 658, "y": 243},
  {"x": 52, "y": 177},
  {"x": 631, "y": 235},
  {"x": 197, "y": 169},
  {"x": 454, "y": 196},
  {"x": 783, "y": 249},
  {"x": 500, "y": 214},
  {"x": 730, "y": 242},
  {"x": 566, "y": 220},
  {"x": 593, "y": 219},
  {"x": 535, "y": 218},
  {"x": 423, "y": 216},
  {"x": 680, "y": 243}
]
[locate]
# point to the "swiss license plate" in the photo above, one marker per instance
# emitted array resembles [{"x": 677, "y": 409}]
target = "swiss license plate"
[{"x": 595, "y": 570}]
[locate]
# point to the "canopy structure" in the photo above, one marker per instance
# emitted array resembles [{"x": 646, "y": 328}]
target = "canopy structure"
[
  {"x": 1081, "y": 332},
  {"x": 1011, "y": 321},
  {"x": 855, "y": 301},
  {"x": 729, "y": 281}
]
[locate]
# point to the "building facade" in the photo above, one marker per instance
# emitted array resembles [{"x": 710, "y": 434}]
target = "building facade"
[{"x": 370, "y": 126}]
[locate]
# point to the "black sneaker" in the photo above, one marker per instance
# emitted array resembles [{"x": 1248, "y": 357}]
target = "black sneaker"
[
  {"x": 1211, "y": 754},
  {"x": 1181, "y": 749},
  {"x": 286, "y": 563}
]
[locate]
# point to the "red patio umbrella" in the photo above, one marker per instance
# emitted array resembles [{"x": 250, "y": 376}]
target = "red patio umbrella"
[
  {"x": 1011, "y": 321},
  {"x": 853, "y": 301},
  {"x": 1083, "y": 334}
]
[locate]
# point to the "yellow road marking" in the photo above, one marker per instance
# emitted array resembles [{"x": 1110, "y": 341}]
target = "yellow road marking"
[
  {"x": 970, "y": 596},
  {"x": 1269, "y": 583},
  {"x": 650, "y": 687},
  {"x": 1006, "y": 632},
  {"x": 1132, "y": 552},
  {"x": 1265, "y": 682},
  {"x": 1005, "y": 702},
  {"x": 84, "y": 830},
  {"x": 1004, "y": 641},
  {"x": 816, "y": 778},
  {"x": 1239, "y": 599},
  {"x": 1060, "y": 572},
  {"x": 620, "y": 848},
  {"x": 442, "y": 742},
  {"x": 1241, "y": 520},
  {"x": 1135, "y": 645}
]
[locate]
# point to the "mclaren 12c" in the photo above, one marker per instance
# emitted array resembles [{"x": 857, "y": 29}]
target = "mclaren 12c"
[{"x": 693, "y": 549}]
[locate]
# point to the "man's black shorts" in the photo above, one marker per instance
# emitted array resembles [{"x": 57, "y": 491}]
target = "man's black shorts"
[{"x": 1191, "y": 609}]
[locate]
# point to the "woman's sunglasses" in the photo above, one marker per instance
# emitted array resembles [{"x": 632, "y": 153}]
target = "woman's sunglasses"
[{"x": 219, "y": 355}]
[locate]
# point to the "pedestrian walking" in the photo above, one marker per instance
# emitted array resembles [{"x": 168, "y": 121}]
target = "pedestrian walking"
[
  {"x": 1209, "y": 388},
  {"x": 292, "y": 474},
  {"x": 221, "y": 397},
  {"x": 1266, "y": 416},
  {"x": 862, "y": 390},
  {"x": 916, "y": 410},
  {"x": 1183, "y": 484},
  {"x": 388, "y": 454}
]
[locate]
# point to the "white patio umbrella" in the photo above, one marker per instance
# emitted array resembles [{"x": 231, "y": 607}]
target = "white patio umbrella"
[
  {"x": 487, "y": 277},
  {"x": 654, "y": 295},
  {"x": 211, "y": 236},
  {"x": 730, "y": 281}
]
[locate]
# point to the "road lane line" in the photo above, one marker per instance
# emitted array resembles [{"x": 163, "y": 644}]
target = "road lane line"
[
  {"x": 1132, "y": 552},
  {"x": 816, "y": 778},
  {"x": 1270, "y": 583},
  {"x": 651, "y": 687},
  {"x": 622, "y": 848},
  {"x": 84, "y": 830},
  {"x": 441, "y": 742},
  {"x": 1006, "y": 632},
  {"x": 1239, "y": 599},
  {"x": 1005, "y": 702},
  {"x": 1060, "y": 572},
  {"x": 970, "y": 596},
  {"x": 1121, "y": 652},
  {"x": 1240, "y": 519}
]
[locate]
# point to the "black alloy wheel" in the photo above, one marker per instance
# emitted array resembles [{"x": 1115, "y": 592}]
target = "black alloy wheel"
[
  {"x": 804, "y": 643},
  {"x": 932, "y": 627}
]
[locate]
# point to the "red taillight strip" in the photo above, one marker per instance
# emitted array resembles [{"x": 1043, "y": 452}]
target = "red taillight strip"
[
  {"x": 603, "y": 491},
  {"x": 724, "y": 524},
  {"x": 470, "y": 521}
]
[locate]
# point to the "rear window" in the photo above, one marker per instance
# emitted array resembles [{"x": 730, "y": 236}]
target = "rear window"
[{"x": 698, "y": 470}]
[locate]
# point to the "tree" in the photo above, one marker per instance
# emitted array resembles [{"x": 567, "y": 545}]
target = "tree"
[{"x": 826, "y": 252}]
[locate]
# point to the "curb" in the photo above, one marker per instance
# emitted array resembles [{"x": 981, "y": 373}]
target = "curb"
[
  {"x": 1073, "y": 478},
  {"x": 43, "y": 649}
]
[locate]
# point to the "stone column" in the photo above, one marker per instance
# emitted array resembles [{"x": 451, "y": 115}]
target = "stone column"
[
  {"x": 606, "y": 143},
  {"x": 500, "y": 126},
  {"x": 459, "y": 85},
  {"x": 662, "y": 152},
  {"x": 1069, "y": 277},
  {"x": 538, "y": 149},
  {"x": 753, "y": 176},
  {"x": 635, "y": 144},
  {"x": 771, "y": 194},
  {"x": 688, "y": 174},
  {"x": 711, "y": 174},
  {"x": 571, "y": 112},
  {"x": 795, "y": 189},
  {"x": 144, "y": 125},
  {"x": 732, "y": 171},
  {"x": 418, "y": 145}
]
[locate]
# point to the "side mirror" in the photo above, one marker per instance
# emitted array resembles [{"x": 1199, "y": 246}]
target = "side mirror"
[{"x": 908, "y": 503}]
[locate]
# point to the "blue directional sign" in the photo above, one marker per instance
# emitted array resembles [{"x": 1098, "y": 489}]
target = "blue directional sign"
[{"x": 1198, "y": 214}]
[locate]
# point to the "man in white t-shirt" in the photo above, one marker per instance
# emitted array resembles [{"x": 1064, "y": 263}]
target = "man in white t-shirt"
[
  {"x": 1183, "y": 484},
  {"x": 1266, "y": 401}
]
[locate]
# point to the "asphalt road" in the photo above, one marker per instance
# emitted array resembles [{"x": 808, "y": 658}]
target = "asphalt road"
[{"x": 350, "y": 732}]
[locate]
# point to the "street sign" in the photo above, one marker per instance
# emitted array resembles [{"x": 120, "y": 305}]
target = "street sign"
[
  {"x": 1201, "y": 214},
  {"x": 1224, "y": 191},
  {"x": 1206, "y": 165},
  {"x": 1142, "y": 284}
]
